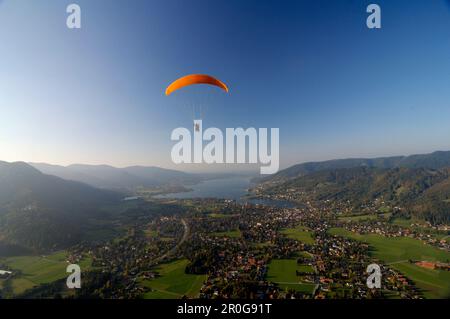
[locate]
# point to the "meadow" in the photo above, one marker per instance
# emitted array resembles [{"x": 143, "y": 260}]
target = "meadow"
[
  {"x": 394, "y": 249},
  {"x": 173, "y": 282},
  {"x": 283, "y": 272},
  {"x": 218, "y": 215},
  {"x": 420, "y": 226},
  {"x": 399, "y": 250},
  {"x": 36, "y": 270},
  {"x": 364, "y": 217},
  {"x": 299, "y": 233},
  {"x": 232, "y": 233},
  {"x": 433, "y": 283}
]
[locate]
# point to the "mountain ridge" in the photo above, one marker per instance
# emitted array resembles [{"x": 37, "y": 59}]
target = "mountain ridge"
[
  {"x": 434, "y": 160},
  {"x": 110, "y": 177},
  {"x": 422, "y": 192},
  {"x": 40, "y": 211}
]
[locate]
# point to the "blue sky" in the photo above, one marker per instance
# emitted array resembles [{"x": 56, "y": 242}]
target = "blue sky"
[{"x": 312, "y": 68}]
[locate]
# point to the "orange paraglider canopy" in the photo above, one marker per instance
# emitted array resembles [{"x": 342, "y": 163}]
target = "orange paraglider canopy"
[{"x": 195, "y": 79}]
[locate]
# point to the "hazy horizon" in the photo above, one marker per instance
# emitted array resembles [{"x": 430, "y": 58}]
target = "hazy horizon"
[{"x": 218, "y": 168}]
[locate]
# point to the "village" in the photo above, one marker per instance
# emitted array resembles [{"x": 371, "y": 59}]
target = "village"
[{"x": 251, "y": 251}]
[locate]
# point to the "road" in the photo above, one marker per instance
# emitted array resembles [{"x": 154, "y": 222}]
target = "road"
[{"x": 183, "y": 239}]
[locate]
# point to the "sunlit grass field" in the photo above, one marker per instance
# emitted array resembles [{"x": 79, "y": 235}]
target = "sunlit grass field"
[
  {"x": 399, "y": 250},
  {"x": 173, "y": 282},
  {"x": 394, "y": 249},
  {"x": 283, "y": 272},
  {"x": 232, "y": 233},
  {"x": 299, "y": 233},
  {"x": 365, "y": 217},
  {"x": 36, "y": 270}
]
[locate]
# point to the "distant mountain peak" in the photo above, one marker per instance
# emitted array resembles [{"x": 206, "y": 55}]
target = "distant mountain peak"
[{"x": 110, "y": 177}]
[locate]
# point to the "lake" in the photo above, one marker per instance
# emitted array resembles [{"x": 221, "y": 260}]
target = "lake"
[
  {"x": 226, "y": 188},
  {"x": 229, "y": 188}
]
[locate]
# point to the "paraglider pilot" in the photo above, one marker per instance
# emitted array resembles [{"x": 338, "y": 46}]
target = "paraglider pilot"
[
  {"x": 193, "y": 79},
  {"x": 197, "y": 125}
]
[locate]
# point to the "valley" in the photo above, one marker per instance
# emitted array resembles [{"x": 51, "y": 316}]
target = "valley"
[{"x": 135, "y": 244}]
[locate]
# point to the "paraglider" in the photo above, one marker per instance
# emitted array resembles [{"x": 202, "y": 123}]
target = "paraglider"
[
  {"x": 195, "y": 79},
  {"x": 229, "y": 147}
]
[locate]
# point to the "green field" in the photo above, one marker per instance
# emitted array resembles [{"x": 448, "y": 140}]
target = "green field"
[
  {"x": 433, "y": 283},
  {"x": 305, "y": 269},
  {"x": 357, "y": 218},
  {"x": 394, "y": 249},
  {"x": 151, "y": 233},
  {"x": 404, "y": 222},
  {"x": 283, "y": 272},
  {"x": 173, "y": 282},
  {"x": 232, "y": 233},
  {"x": 218, "y": 215},
  {"x": 38, "y": 270},
  {"x": 262, "y": 245},
  {"x": 366, "y": 217},
  {"x": 420, "y": 226},
  {"x": 299, "y": 233}
]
